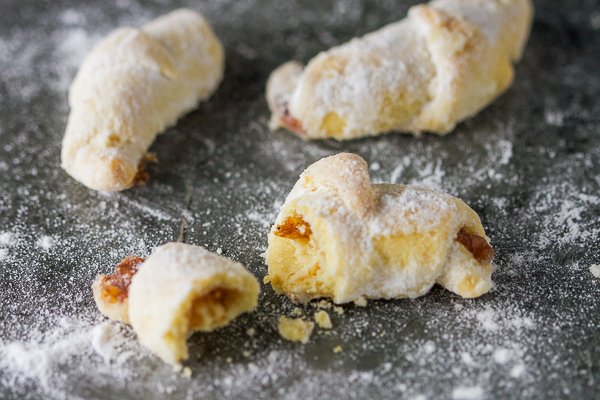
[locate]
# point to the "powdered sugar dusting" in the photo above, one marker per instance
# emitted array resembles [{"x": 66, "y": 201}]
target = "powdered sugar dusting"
[{"x": 527, "y": 164}]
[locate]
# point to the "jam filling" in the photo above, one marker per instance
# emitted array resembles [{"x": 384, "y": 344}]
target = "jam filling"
[
  {"x": 478, "y": 246},
  {"x": 142, "y": 175},
  {"x": 290, "y": 122},
  {"x": 293, "y": 228},
  {"x": 116, "y": 286}
]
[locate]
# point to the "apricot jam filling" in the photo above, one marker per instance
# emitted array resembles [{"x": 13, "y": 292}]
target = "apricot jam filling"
[
  {"x": 115, "y": 287},
  {"x": 477, "y": 245},
  {"x": 293, "y": 228}
]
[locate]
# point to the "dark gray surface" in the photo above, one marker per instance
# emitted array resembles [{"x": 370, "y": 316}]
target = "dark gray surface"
[{"x": 529, "y": 165}]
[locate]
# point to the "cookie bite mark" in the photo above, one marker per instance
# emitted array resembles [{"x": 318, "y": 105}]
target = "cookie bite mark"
[
  {"x": 111, "y": 292},
  {"x": 477, "y": 245},
  {"x": 182, "y": 289},
  {"x": 212, "y": 309},
  {"x": 296, "y": 260}
]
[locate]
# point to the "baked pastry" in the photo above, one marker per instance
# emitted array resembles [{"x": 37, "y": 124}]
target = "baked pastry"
[
  {"x": 133, "y": 85},
  {"x": 339, "y": 236},
  {"x": 178, "y": 290},
  {"x": 442, "y": 64}
]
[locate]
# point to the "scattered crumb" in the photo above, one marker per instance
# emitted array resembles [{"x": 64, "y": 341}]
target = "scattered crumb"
[
  {"x": 250, "y": 332},
  {"x": 338, "y": 310},
  {"x": 337, "y": 349},
  {"x": 323, "y": 320},
  {"x": 361, "y": 302},
  {"x": 246, "y": 353},
  {"x": 595, "y": 270},
  {"x": 177, "y": 367},
  {"x": 322, "y": 304},
  {"x": 187, "y": 372},
  {"x": 295, "y": 330},
  {"x": 229, "y": 359},
  {"x": 219, "y": 251}
]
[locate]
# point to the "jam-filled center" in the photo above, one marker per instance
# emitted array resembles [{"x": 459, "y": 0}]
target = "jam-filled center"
[{"x": 477, "y": 245}]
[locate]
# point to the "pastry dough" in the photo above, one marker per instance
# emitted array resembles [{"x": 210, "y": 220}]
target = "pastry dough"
[
  {"x": 178, "y": 290},
  {"x": 442, "y": 64},
  {"x": 339, "y": 236},
  {"x": 131, "y": 86}
]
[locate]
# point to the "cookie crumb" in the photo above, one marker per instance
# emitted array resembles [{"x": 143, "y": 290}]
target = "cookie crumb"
[
  {"x": 229, "y": 359},
  {"x": 361, "y": 302},
  {"x": 250, "y": 332},
  {"x": 295, "y": 330},
  {"x": 323, "y": 320},
  {"x": 337, "y": 349},
  {"x": 338, "y": 310},
  {"x": 595, "y": 270},
  {"x": 246, "y": 353},
  {"x": 177, "y": 368},
  {"x": 219, "y": 251},
  {"x": 187, "y": 372},
  {"x": 322, "y": 304}
]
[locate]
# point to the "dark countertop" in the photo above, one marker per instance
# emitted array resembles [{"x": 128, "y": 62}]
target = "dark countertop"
[{"x": 529, "y": 164}]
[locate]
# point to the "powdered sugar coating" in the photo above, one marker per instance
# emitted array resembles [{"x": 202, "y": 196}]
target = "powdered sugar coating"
[{"x": 532, "y": 179}]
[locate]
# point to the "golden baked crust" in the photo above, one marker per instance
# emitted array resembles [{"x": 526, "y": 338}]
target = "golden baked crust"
[
  {"x": 373, "y": 240},
  {"x": 442, "y": 64},
  {"x": 134, "y": 84}
]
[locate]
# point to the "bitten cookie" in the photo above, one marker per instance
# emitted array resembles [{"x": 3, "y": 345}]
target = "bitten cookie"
[
  {"x": 442, "y": 64},
  {"x": 178, "y": 290},
  {"x": 340, "y": 236},
  {"x": 133, "y": 85}
]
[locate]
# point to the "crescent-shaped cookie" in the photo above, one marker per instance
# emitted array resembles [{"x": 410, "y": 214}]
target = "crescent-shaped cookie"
[
  {"x": 133, "y": 85},
  {"x": 442, "y": 64},
  {"x": 178, "y": 290},
  {"x": 340, "y": 236}
]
